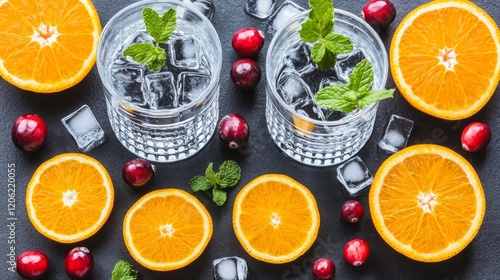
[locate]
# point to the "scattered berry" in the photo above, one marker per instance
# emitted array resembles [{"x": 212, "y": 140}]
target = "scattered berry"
[
  {"x": 352, "y": 211},
  {"x": 79, "y": 263},
  {"x": 356, "y": 251},
  {"x": 379, "y": 13},
  {"x": 32, "y": 264},
  {"x": 234, "y": 130},
  {"x": 475, "y": 137},
  {"x": 323, "y": 269},
  {"x": 248, "y": 41},
  {"x": 29, "y": 133},
  {"x": 138, "y": 172},
  {"x": 246, "y": 73}
]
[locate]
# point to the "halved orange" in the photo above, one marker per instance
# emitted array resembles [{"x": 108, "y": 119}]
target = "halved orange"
[
  {"x": 275, "y": 218},
  {"x": 167, "y": 229},
  {"x": 47, "y": 46},
  {"x": 445, "y": 58},
  {"x": 427, "y": 202},
  {"x": 69, "y": 197}
]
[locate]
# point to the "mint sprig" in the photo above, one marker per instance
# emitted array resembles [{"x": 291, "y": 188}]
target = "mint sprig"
[
  {"x": 228, "y": 176},
  {"x": 356, "y": 94},
  {"x": 123, "y": 270},
  {"x": 160, "y": 28},
  {"x": 318, "y": 29}
]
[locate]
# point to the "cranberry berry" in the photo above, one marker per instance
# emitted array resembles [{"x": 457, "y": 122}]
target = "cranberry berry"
[
  {"x": 32, "y": 264},
  {"x": 352, "y": 211},
  {"x": 246, "y": 73},
  {"x": 79, "y": 263},
  {"x": 29, "y": 133},
  {"x": 356, "y": 252},
  {"x": 323, "y": 269},
  {"x": 379, "y": 13},
  {"x": 234, "y": 131},
  {"x": 138, "y": 172},
  {"x": 475, "y": 137},
  {"x": 248, "y": 41}
]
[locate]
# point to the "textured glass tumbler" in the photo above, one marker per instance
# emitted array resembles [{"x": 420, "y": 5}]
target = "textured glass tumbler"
[
  {"x": 317, "y": 142},
  {"x": 166, "y": 134}
]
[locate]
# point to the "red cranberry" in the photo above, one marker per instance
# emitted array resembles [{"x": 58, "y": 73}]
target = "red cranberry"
[
  {"x": 248, "y": 41},
  {"x": 475, "y": 137},
  {"x": 32, "y": 264},
  {"x": 234, "y": 130},
  {"x": 29, "y": 132},
  {"x": 356, "y": 251},
  {"x": 79, "y": 263},
  {"x": 352, "y": 211},
  {"x": 323, "y": 269},
  {"x": 246, "y": 73},
  {"x": 138, "y": 172},
  {"x": 379, "y": 13}
]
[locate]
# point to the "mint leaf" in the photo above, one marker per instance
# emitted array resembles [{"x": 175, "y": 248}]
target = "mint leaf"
[
  {"x": 140, "y": 52},
  {"x": 361, "y": 78},
  {"x": 169, "y": 19},
  {"x": 229, "y": 174},
  {"x": 328, "y": 61},
  {"x": 154, "y": 23},
  {"x": 219, "y": 196},
  {"x": 158, "y": 58},
  {"x": 199, "y": 183},
  {"x": 375, "y": 95},
  {"x": 338, "y": 43},
  {"x": 322, "y": 13},
  {"x": 310, "y": 31},
  {"x": 124, "y": 271},
  {"x": 210, "y": 175},
  {"x": 337, "y": 97},
  {"x": 318, "y": 52}
]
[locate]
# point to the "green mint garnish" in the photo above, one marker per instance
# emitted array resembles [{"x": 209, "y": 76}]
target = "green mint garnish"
[
  {"x": 318, "y": 29},
  {"x": 228, "y": 176},
  {"x": 160, "y": 28},
  {"x": 124, "y": 271},
  {"x": 356, "y": 94}
]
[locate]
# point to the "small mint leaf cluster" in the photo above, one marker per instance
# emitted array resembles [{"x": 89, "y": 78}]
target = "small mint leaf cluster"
[
  {"x": 123, "y": 270},
  {"x": 160, "y": 28},
  {"x": 318, "y": 29},
  {"x": 356, "y": 94},
  {"x": 228, "y": 176}
]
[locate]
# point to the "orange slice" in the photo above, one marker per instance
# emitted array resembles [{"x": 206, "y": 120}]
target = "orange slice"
[
  {"x": 47, "y": 46},
  {"x": 69, "y": 197},
  {"x": 275, "y": 218},
  {"x": 445, "y": 58},
  {"x": 167, "y": 229},
  {"x": 427, "y": 202}
]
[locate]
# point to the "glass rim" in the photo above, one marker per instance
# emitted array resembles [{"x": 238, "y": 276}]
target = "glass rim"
[
  {"x": 159, "y": 112},
  {"x": 349, "y": 117}
]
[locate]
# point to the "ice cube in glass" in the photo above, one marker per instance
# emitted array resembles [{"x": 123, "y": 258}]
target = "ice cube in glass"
[
  {"x": 191, "y": 85},
  {"x": 346, "y": 63},
  {"x": 354, "y": 177},
  {"x": 128, "y": 81},
  {"x": 260, "y": 9},
  {"x": 160, "y": 90},
  {"x": 230, "y": 268},
  {"x": 396, "y": 134},
  {"x": 298, "y": 57},
  {"x": 283, "y": 13},
  {"x": 85, "y": 129},
  {"x": 184, "y": 53}
]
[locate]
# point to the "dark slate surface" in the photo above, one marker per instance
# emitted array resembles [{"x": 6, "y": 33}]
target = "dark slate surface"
[{"x": 478, "y": 261}]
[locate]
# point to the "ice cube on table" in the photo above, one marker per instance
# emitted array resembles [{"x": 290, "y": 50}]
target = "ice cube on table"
[
  {"x": 85, "y": 129},
  {"x": 191, "y": 85},
  {"x": 346, "y": 63},
  {"x": 128, "y": 82},
  {"x": 184, "y": 53},
  {"x": 161, "y": 92},
  {"x": 396, "y": 134},
  {"x": 298, "y": 57},
  {"x": 260, "y": 9},
  {"x": 230, "y": 268},
  {"x": 206, "y": 7},
  {"x": 283, "y": 13},
  {"x": 354, "y": 177}
]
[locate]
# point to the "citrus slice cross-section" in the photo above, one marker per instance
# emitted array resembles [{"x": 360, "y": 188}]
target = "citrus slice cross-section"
[
  {"x": 275, "y": 218},
  {"x": 69, "y": 197},
  {"x": 445, "y": 58},
  {"x": 167, "y": 229},
  {"x": 427, "y": 202},
  {"x": 47, "y": 46}
]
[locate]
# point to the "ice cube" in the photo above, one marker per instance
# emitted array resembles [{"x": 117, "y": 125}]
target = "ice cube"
[
  {"x": 191, "y": 85},
  {"x": 329, "y": 80},
  {"x": 332, "y": 115},
  {"x": 128, "y": 82},
  {"x": 354, "y": 177},
  {"x": 396, "y": 134},
  {"x": 284, "y": 12},
  {"x": 206, "y": 7},
  {"x": 161, "y": 92},
  {"x": 184, "y": 53},
  {"x": 299, "y": 58},
  {"x": 346, "y": 63},
  {"x": 260, "y": 9},
  {"x": 230, "y": 268},
  {"x": 85, "y": 129}
]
